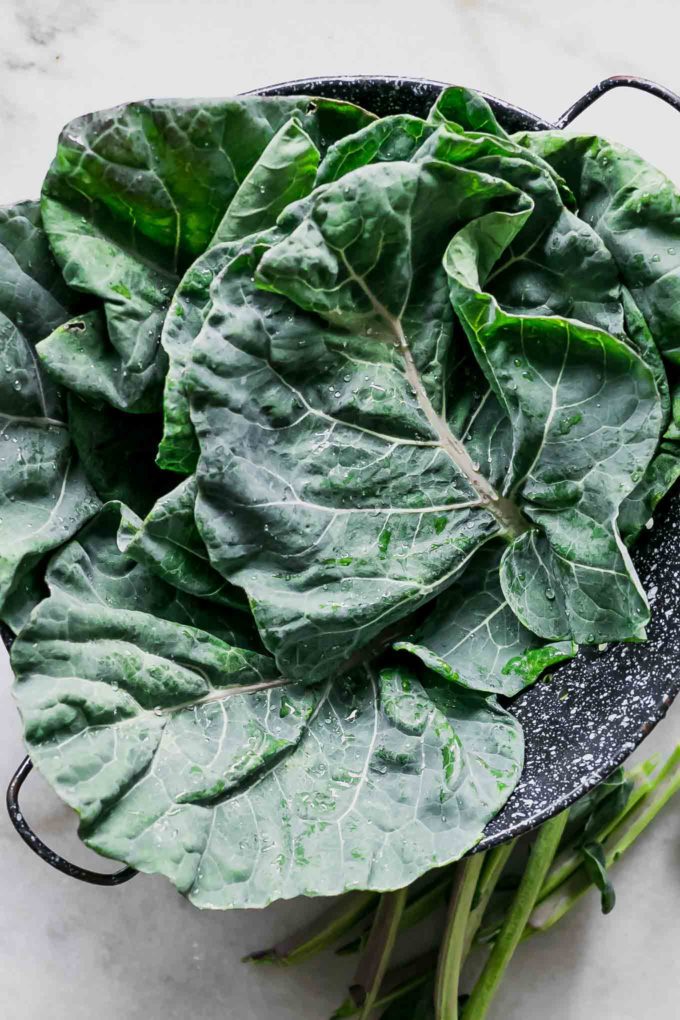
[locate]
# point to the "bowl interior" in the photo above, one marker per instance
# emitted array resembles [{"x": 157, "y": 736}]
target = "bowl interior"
[{"x": 384, "y": 95}]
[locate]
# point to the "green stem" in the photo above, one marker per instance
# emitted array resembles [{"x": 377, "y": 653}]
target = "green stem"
[
  {"x": 397, "y": 982},
  {"x": 421, "y": 903},
  {"x": 373, "y": 963},
  {"x": 541, "y": 857},
  {"x": 320, "y": 934},
  {"x": 452, "y": 951},
  {"x": 494, "y": 864},
  {"x": 421, "y": 907},
  {"x": 570, "y": 859},
  {"x": 664, "y": 786}
]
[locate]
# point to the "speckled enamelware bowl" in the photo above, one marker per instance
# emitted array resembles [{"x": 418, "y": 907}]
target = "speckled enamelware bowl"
[{"x": 587, "y": 717}]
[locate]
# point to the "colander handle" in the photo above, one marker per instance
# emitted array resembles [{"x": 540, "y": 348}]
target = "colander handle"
[
  {"x": 617, "y": 81},
  {"x": 52, "y": 858}
]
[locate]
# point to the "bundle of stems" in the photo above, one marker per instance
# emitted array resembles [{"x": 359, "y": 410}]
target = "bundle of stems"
[{"x": 496, "y": 899}]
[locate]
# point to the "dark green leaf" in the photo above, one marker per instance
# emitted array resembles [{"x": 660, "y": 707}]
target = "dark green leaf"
[
  {"x": 118, "y": 453},
  {"x": 659, "y": 477},
  {"x": 44, "y": 495},
  {"x": 466, "y": 109},
  {"x": 384, "y": 141},
  {"x": 596, "y": 867},
  {"x": 473, "y": 638},
  {"x": 311, "y": 437},
  {"x": 178, "y": 449},
  {"x": 242, "y": 798},
  {"x": 585, "y": 413},
  {"x": 134, "y": 195},
  {"x": 636, "y": 211},
  {"x": 27, "y": 591},
  {"x": 285, "y": 172},
  {"x": 168, "y": 543}
]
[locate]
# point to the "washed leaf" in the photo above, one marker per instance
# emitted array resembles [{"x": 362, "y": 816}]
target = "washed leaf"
[
  {"x": 660, "y": 476},
  {"x": 636, "y": 211},
  {"x": 44, "y": 494},
  {"x": 178, "y": 449},
  {"x": 311, "y": 437},
  {"x": 284, "y": 172},
  {"x": 28, "y": 590},
  {"x": 133, "y": 196},
  {"x": 387, "y": 140},
  {"x": 586, "y": 415},
  {"x": 241, "y": 798},
  {"x": 168, "y": 543},
  {"x": 473, "y": 638},
  {"x": 466, "y": 109},
  {"x": 117, "y": 452}
]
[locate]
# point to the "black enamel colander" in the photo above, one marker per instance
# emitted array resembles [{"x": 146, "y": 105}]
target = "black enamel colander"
[{"x": 595, "y": 709}]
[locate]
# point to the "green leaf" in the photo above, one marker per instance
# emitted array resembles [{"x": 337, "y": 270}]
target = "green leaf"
[
  {"x": 168, "y": 543},
  {"x": 586, "y": 414},
  {"x": 594, "y": 815},
  {"x": 660, "y": 476},
  {"x": 131, "y": 712},
  {"x": 133, "y": 196},
  {"x": 178, "y": 450},
  {"x": 27, "y": 591},
  {"x": 44, "y": 495},
  {"x": 473, "y": 638},
  {"x": 118, "y": 453},
  {"x": 596, "y": 868},
  {"x": 466, "y": 109},
  {"x": 636, "y": 211},
  {"x": 387, "y": 140},
  {"x": 285, "y": 172},
  {"x": 311, "y": 437}
]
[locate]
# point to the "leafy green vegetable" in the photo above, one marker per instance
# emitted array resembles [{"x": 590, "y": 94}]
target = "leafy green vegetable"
[
  {"x": 133, "y": 196},
  {"x": 559, "y": 382},
  {"x": 178, "y": 450},
  {"x": 44, "y": 494},
  {"x": 285, "y": 171},
  {"x": 635, "y": 209},
  {"x": 465, "y": 109},
  {"x": 387, "y": 140},
  {"x": 376, "y": 409},
  {"x": 168, "y": 543},
  {"x": 117, "y": 452},
  {"x": 27, "y": 591},
  {"x": 240, "y": 798},
  {"x": 324, "y": 430},
  {"x": 473, "y": 638}
]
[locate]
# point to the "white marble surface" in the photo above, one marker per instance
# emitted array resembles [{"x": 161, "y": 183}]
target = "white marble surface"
[{"x": 70, "y": 952}]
